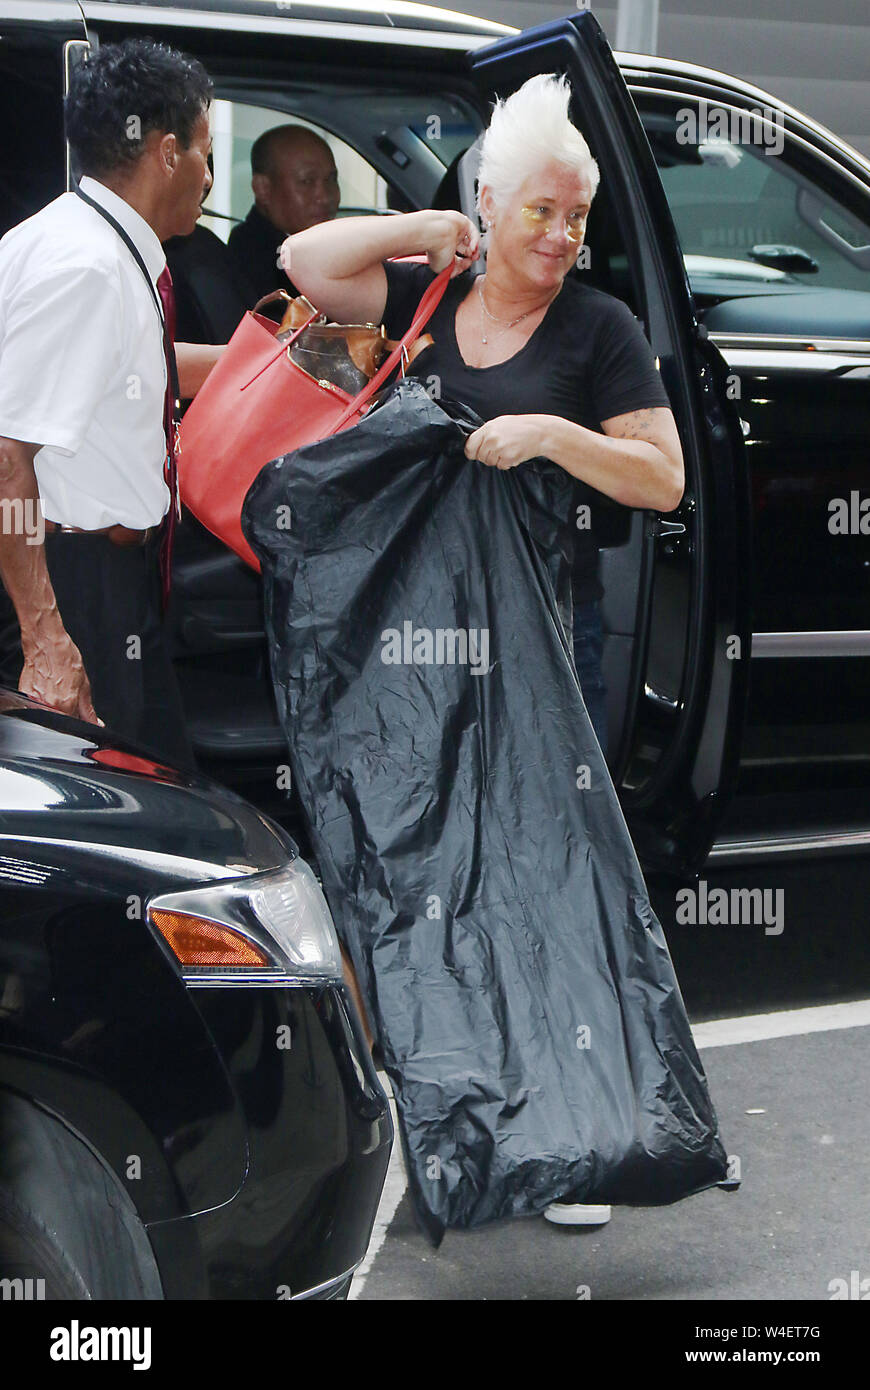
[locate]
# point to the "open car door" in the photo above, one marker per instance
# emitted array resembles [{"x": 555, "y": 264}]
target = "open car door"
[{"x": 677, "y": 587}]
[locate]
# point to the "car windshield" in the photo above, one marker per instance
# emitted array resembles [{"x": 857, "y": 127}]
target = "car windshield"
[{"x": 743, "y": 213}]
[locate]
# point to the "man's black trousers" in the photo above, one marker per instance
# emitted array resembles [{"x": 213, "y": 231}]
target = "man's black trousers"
[{"x": 109, "y": 602}]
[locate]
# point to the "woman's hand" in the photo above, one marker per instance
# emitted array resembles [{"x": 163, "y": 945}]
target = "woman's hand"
[
  {"x": 508, "y": 440},
  {"x": 448, "y": 235}
]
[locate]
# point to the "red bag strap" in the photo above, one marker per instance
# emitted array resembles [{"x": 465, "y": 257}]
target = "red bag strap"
[{"x": 431, "y": 298}]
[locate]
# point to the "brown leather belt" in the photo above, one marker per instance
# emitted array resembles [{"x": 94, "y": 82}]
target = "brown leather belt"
[{"x": 117, "y": 534}]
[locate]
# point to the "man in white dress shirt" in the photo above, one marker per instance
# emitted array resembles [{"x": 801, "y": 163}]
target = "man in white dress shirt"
[{"x": 83, "y": 380}]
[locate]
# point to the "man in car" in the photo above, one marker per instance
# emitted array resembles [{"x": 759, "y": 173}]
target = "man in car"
[
  {"x": 85, "y": 410},
  {"x": 295, "y": 185}
]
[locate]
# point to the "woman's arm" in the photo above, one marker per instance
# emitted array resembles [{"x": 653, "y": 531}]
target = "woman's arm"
[
  {"x": 338, "y": 264},
  {"x": 637, "y": 461},
  {"x": 639, "y": 464}
]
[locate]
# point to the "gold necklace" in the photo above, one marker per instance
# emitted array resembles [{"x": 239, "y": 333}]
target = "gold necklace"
[{"x": 505, "y": 325}]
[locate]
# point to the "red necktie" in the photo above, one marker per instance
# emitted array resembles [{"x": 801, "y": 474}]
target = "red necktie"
[{"x": 167, "y": 298}]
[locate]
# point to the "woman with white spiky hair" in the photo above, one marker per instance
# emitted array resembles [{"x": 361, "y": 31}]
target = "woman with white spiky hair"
[
  {"x": 526, "y": 133},
  {"x": 559, "y": 374},
  {"x": 555, "y": 369}
]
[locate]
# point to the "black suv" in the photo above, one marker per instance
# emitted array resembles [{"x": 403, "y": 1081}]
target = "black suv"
[
  {"x": 738, "y": 231},
  {"x": 736, "y": 655},
  {"x": 188, "y": 1108}
]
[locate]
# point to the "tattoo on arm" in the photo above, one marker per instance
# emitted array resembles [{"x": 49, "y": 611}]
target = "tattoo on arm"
[
  {"x": 635, "y": 425},
  {"x": 651, "y": 425}
]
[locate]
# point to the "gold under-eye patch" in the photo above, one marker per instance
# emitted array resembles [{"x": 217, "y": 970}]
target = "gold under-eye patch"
[{"x": 543, "y": 218}]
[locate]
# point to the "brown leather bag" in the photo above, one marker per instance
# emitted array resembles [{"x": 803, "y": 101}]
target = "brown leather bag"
[{"x": 344, "y": 354}]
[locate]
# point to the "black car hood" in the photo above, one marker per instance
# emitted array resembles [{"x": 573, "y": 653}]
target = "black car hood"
[
  {"x": 801, "y": 311},
  {"x": 76, "y": 789}
]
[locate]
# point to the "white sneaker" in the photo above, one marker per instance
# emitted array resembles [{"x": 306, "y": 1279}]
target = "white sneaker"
[{"x": 576, "y": 1214}]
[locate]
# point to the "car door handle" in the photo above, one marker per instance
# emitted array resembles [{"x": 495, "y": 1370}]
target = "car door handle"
[{"x": 672, "y": 535}]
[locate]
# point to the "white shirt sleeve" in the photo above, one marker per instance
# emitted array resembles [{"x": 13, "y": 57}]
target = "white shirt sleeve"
[{"x": 60, "y": 349}]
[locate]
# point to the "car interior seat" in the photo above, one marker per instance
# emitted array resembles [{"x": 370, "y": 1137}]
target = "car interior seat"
[{"x": 211, "y": 294}]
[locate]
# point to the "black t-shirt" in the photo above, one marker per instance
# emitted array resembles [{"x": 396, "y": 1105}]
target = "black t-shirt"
[{"x": 587, "y": 361}]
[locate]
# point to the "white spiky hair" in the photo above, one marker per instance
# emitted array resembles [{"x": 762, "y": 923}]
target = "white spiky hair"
[{"x": 529, "y": 129}]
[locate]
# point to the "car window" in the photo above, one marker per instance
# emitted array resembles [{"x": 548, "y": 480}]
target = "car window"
[
  {"x": 31, "y": 119},
  {"x": 235, "y": 127},
  {"x": 745, "y": 212}
]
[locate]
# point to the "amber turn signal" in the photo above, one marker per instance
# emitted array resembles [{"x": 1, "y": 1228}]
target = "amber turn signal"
[{"x": 198, "y": 942}]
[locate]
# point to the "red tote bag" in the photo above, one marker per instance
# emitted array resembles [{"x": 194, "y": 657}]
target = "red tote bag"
[{"x": 255, "y": 405}]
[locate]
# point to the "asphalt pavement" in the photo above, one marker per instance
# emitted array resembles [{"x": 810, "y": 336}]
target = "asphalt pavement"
[{"x": 788, "y": 1076}]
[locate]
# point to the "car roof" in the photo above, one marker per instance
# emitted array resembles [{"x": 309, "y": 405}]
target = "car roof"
[
  {"x": 716, "y": 85},
  {"x": 405, "y": 20},
  {"x": 393, "y": 14}
]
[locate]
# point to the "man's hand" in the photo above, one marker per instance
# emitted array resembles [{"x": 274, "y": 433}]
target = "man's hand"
[
  {"x": 194, "y": 362},
  {"x": 507, "y": 440},
  {"x": 53, "y": 669},
  {"x": 54, "y": 673}
]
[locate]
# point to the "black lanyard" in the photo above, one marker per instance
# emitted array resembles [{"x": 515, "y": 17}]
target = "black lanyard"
[{"x": 168, "y": 347}]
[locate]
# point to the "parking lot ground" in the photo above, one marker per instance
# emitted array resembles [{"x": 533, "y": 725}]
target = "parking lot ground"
[{"x": 791, "y": 1106}]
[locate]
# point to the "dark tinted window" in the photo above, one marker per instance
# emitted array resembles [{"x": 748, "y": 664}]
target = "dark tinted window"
[{"x": 32, "y": 166}]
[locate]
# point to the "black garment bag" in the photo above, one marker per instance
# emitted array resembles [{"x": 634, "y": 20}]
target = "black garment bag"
[{"x": 471, "y": 844}]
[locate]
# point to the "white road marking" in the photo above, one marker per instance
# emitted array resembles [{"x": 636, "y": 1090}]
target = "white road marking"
[
  {"x": 724, "y": 1032},
  {"x": 720, "y": 1032},
  {"x": 394, "y": 1189}
]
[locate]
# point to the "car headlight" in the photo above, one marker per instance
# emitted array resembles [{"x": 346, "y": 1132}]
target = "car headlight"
[{"x": 268, "y": 928}]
